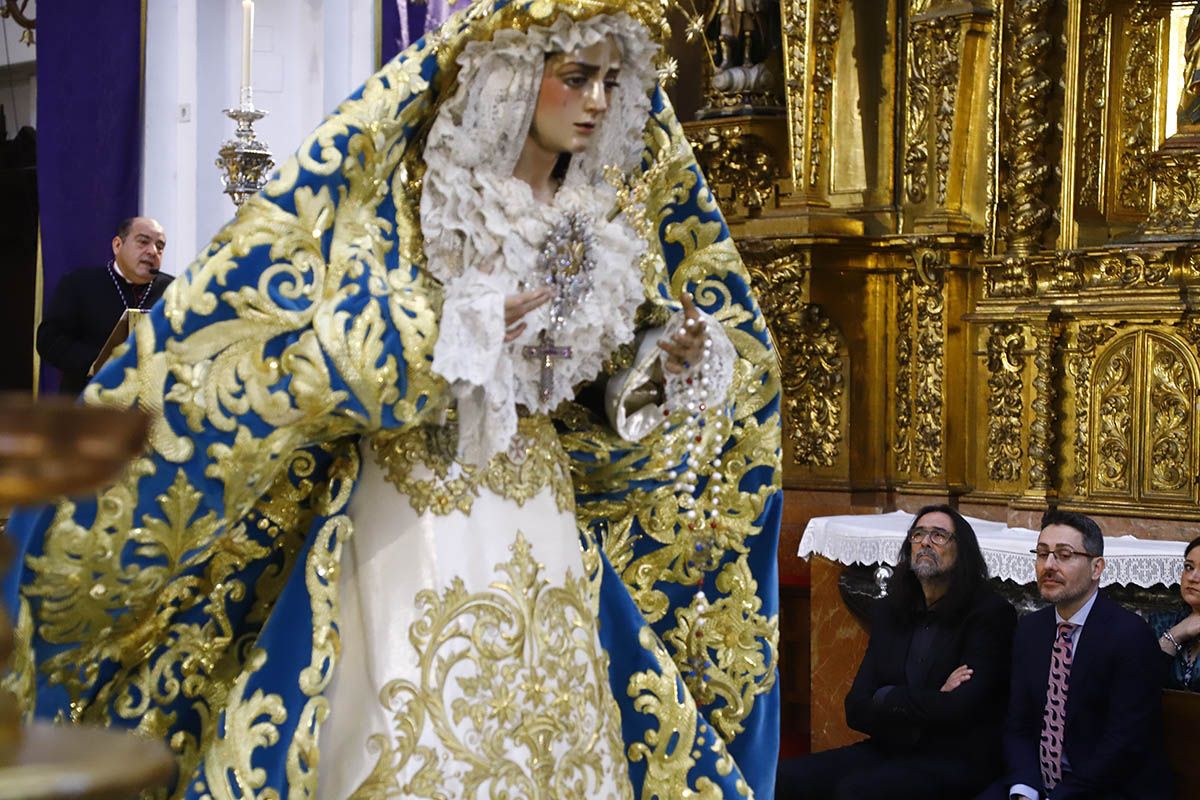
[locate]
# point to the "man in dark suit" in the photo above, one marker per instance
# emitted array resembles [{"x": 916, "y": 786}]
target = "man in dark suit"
[
  {"x": 87, "y": 303},
  {"x": 931, "y": 689},
  {"x": 1084, "y": 718}
]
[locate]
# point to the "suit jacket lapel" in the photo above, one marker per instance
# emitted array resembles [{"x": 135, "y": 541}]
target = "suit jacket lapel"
[
  {"x": 1045, "y": 630},
  {"x": 1090, "y": 641}
]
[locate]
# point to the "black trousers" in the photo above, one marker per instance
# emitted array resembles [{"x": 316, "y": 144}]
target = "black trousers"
[{"x": 864, "y": 771}]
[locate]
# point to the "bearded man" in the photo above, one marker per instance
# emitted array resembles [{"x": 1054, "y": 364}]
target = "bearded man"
[{"x": 931, "y": 690}]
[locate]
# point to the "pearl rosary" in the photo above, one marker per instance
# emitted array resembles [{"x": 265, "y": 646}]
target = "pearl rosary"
[{"x": 700, "y": 515}]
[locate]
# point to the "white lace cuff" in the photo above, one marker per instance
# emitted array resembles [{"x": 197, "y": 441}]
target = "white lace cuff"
[
  {"x": 632, "y": 397},
  {"x": 470, "y": 355},
  {"x": 629, "y": 413}
]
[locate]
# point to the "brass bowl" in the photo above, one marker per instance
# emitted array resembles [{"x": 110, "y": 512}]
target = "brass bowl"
[
  {"x": 56, "y": 762},
  {"x": 53, "y": 447}
]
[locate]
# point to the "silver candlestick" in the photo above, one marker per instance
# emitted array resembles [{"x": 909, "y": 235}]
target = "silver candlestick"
[{"x": 245, "y": 160}]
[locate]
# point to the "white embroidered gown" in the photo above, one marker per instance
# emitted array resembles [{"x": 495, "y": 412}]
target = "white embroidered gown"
[{"x": 470, "y": 663}]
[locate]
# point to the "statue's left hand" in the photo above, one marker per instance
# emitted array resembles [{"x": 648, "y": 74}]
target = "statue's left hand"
[{"x": 685, "y": 348}]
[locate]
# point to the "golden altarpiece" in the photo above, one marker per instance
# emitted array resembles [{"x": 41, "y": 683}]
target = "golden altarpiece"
[{"x": 975, "y": 229}]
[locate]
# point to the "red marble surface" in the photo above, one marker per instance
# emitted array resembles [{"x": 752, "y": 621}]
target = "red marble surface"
[{"x": 838, "y": 641}]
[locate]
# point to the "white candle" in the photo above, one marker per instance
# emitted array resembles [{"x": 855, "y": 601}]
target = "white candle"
[{"x": 247, "y": 41}]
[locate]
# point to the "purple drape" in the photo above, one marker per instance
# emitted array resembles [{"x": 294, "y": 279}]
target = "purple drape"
[
  {"x": 89, "y": 114},
  {"x": 405, "y": 21}
]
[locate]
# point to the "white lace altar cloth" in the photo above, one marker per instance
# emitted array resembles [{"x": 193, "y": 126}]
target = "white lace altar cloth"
[{"x": 876, "y": 539}]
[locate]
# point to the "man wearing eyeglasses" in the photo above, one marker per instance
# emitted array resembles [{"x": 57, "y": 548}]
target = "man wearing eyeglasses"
[
  {"x": 930, "y": 692},
  {"x": 89, "y": 302},
  {"x": 1084, "y": 716}
]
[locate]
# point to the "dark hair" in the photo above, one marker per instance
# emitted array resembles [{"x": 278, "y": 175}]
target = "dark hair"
[
  {"x": 1093, "y": 539},
  {"x": 1192, "y": 545},
  {"x": 967, "y": 575},
  {"x": 125, "y": 227}
]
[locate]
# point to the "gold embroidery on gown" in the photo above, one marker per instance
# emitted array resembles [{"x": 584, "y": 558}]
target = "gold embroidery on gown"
[
  {"x": 532, "y": 462},
  {"x": 531, "y": 704}
]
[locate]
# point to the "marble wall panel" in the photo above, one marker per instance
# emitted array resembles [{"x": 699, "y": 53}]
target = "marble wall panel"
[{"x": 837, "y": 645}]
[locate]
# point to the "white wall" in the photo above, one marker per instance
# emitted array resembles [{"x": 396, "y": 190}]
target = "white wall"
[
  {"x": 18, "y": 76},
  {"x": 308, "y": 55}
]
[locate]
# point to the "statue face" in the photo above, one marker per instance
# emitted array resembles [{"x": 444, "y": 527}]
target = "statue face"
[{"x": 573, "y": 97}]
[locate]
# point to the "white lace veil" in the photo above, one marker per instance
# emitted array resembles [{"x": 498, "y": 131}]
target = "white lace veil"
[{"x": 479, "y": 131}]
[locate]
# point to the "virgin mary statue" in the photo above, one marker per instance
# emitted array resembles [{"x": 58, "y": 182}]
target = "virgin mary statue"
[{"x": 463, "y": 477}]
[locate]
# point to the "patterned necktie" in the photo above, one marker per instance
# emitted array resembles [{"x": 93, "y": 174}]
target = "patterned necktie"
[{"x": 1054, "y": 718}]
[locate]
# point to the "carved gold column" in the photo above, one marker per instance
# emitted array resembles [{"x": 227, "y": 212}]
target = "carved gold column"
[
  {"x": 1027, "y": 112},
  {"x": 1005, "y": 402},
  {"x": 1042, "y": 474},
  {"x": 946, "y": 115}
]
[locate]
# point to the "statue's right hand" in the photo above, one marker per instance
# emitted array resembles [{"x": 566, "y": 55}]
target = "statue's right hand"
[{"x": 518, "y": 305}]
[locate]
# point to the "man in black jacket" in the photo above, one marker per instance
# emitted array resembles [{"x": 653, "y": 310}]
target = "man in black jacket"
[
  {"x": 88, "y": 302},
  {"x": 1085, "y": 713},
  {"x": 931, "y": 690}
]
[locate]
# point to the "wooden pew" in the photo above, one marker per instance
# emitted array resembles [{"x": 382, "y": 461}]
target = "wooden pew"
[{"x": 1181, "y": 721}]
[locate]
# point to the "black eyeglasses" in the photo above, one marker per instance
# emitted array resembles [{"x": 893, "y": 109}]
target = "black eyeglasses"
[
  {"x": 1063, "y": 554},
  {"x": 936, "y": 535}
]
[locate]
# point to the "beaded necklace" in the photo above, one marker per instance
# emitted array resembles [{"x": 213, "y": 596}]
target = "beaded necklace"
[{"x": 112, "y": 273}]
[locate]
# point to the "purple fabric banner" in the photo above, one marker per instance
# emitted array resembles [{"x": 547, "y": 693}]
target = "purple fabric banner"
[
  {"x": 89, "y": 113},
  {"x": 405, "y": 21}
]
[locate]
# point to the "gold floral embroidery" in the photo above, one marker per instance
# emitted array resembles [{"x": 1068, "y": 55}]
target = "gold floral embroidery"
[
  {"x": 321, "y": 578},
  {"x": 732, "y": 659},
  {"x": 533, "y": 714},
  {"x": 671, "y": 750},
  {"x": 534, "y": 461}
]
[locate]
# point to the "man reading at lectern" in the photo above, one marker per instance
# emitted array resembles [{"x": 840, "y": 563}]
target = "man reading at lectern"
[{"x": 88, "y": 302}]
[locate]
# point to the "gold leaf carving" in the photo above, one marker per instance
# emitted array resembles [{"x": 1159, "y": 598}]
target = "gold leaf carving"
[
  {"x": 810, "y": 346},
  {"x": 1176, "y": 210},
  {"x": 1011, "y": 276},
  {"x": 1005, "y": 363},
  {"x": 795, "y": 47},
  {"x": 934, "y": 61},
  {"x": 1131, "y": 268},
  {"x": 902, "y": 445},
  {"x": 827, "y": 26},
  {"x": 734, "y": 158},
  {"x": 1112, "y": 455},
  {"x": 1138, "y": 109},
  {"x": 920, "y": 362},
  {"x": 1088, "y": 338},
  {"x": 1171, "y": 414},
  {"x": 1093, "y": 119}
]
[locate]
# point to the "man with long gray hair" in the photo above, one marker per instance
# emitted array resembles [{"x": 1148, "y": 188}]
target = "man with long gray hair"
[{"x": 931, "y": 690}]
